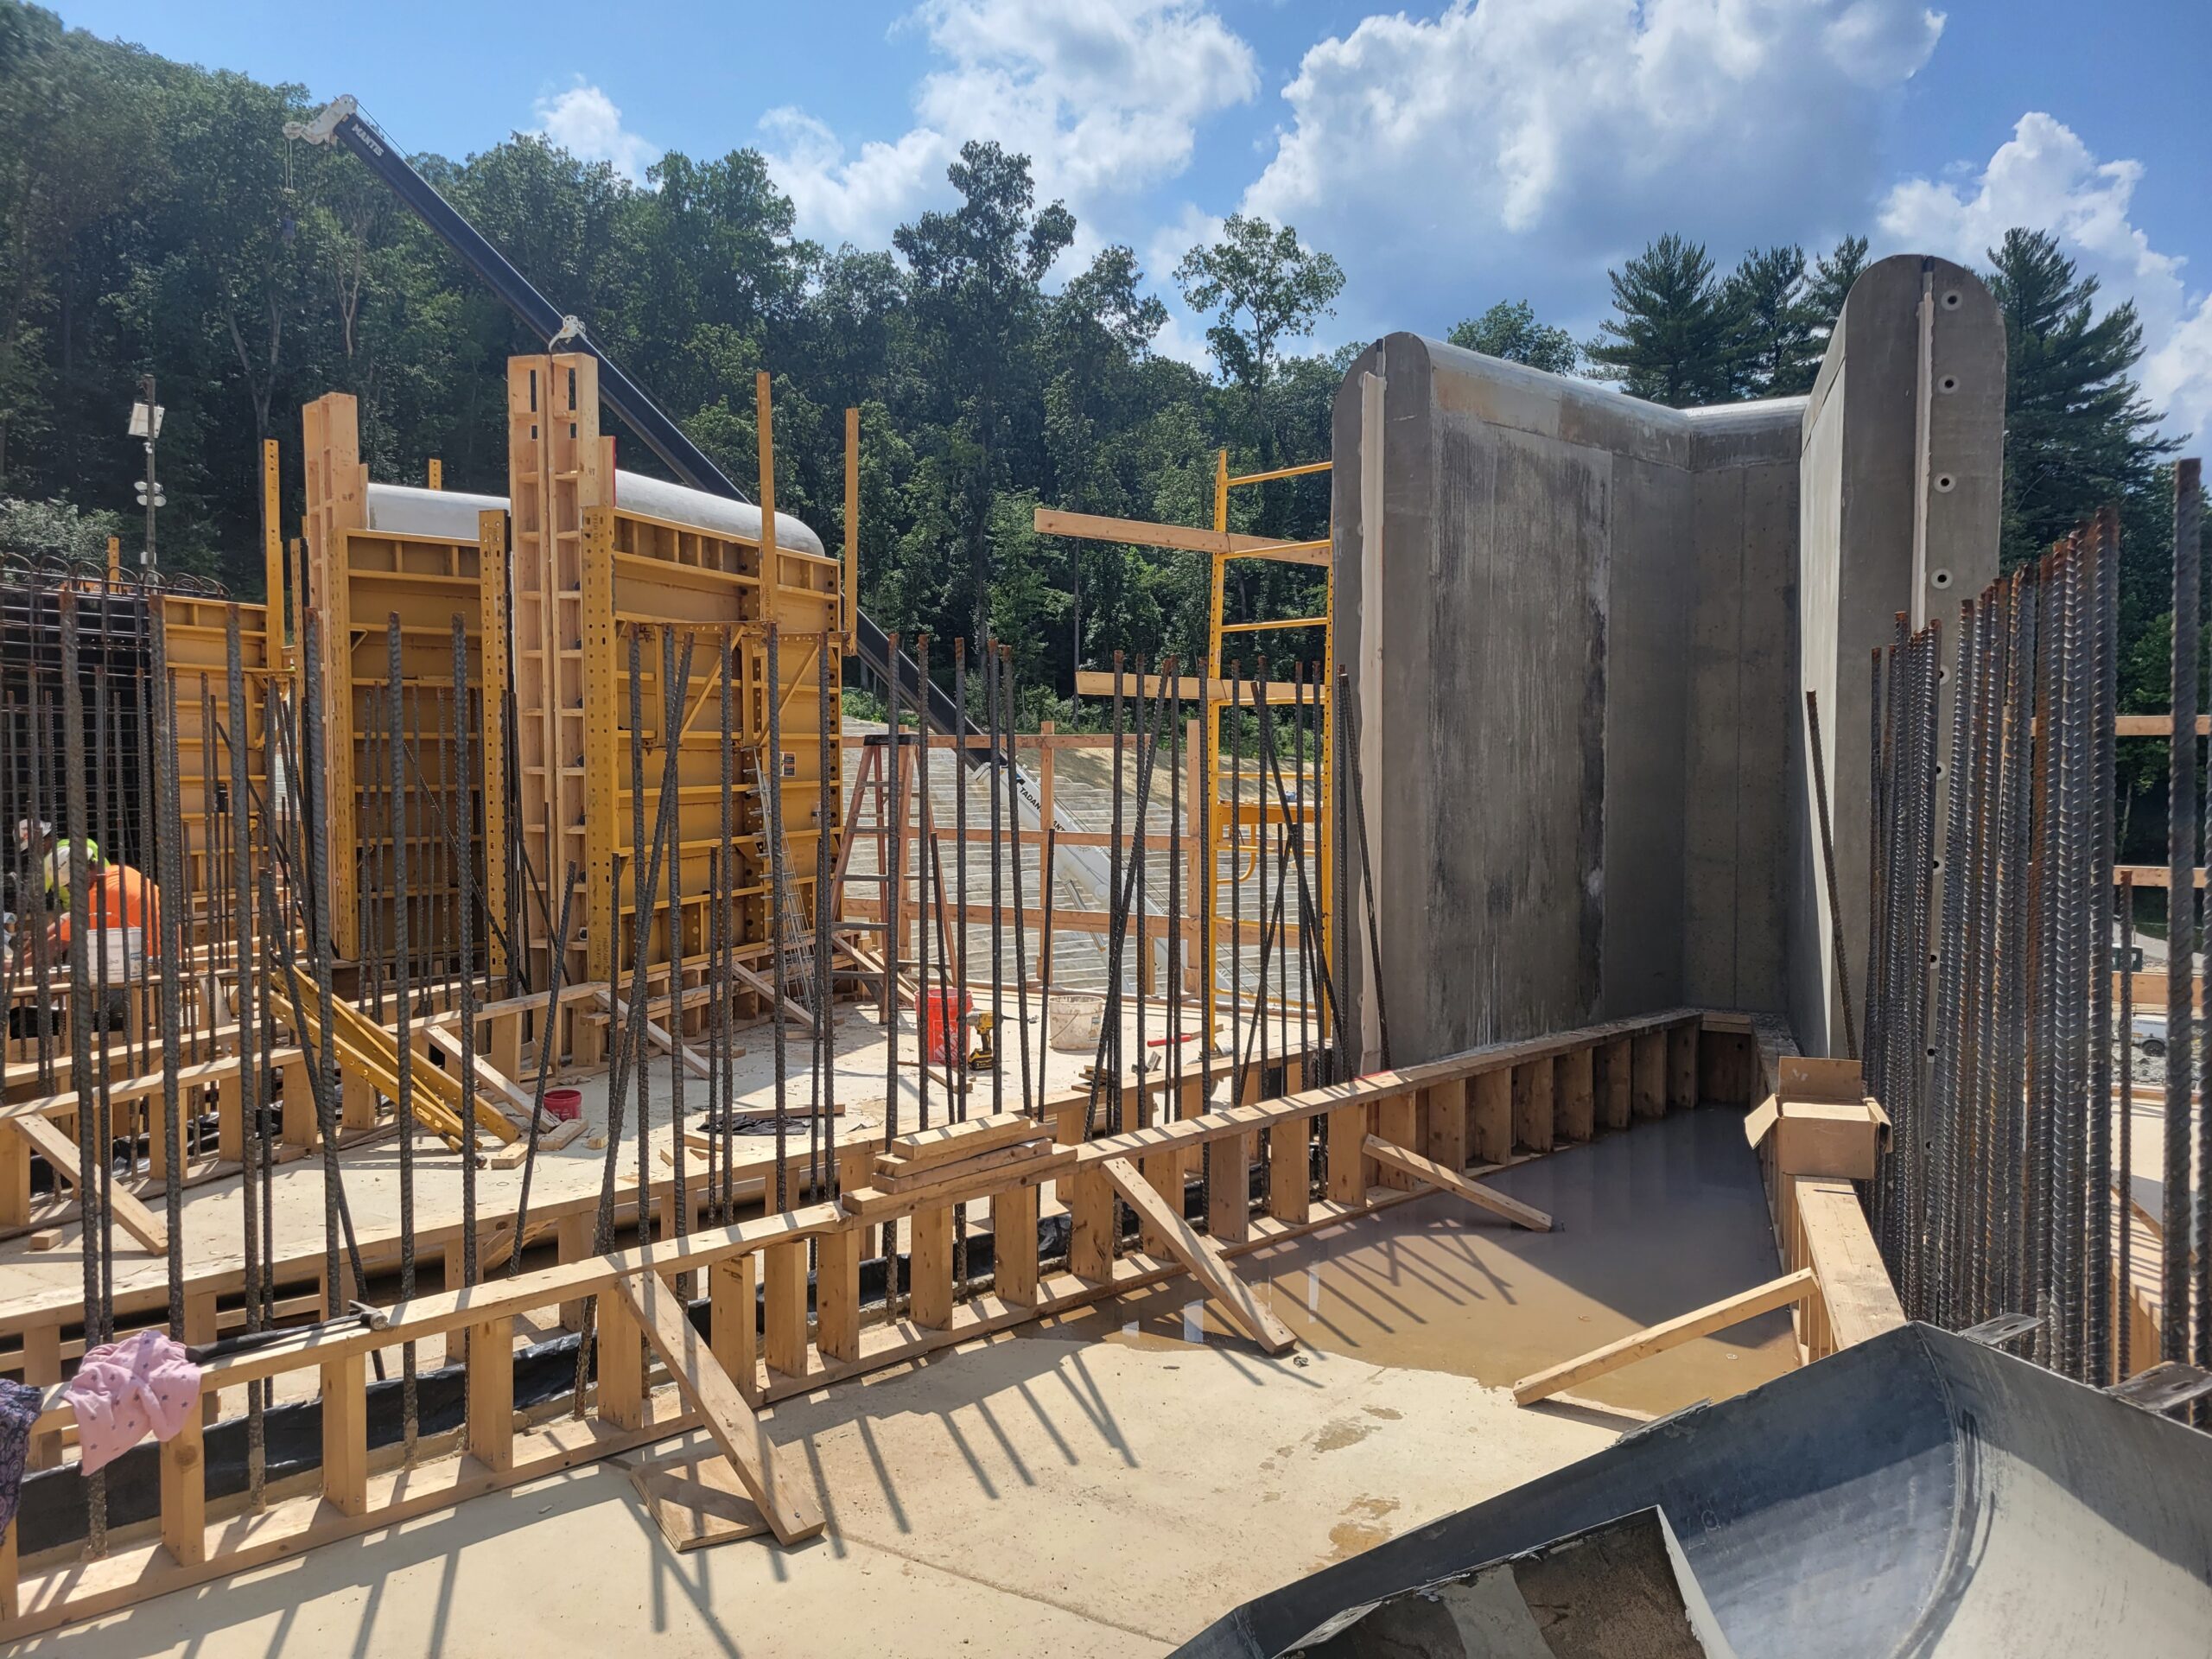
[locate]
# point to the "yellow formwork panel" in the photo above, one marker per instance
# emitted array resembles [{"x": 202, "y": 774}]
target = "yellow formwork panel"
[
  {"x": 360, "y": 579},
  {"x": 195, "y": 644}
]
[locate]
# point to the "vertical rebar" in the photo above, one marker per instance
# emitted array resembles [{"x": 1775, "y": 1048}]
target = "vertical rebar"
[{"x": 2181, "y": 913}]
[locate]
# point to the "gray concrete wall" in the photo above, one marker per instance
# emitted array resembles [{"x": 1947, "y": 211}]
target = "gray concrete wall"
[
  {"x": 1586, "y": 772},
  {"x": 1563, "y": 792},
  {"x": 1863, "y": 558}
]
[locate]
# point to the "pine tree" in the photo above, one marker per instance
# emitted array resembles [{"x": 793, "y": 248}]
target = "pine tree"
[
  {"x": 2077, "y": 432},
  {"x": 1776, "y": 354},
  {"x": 1670, "y": 342},
  {"x": 1830, "y": 284},
  {"x": 1510, "y": 329}
]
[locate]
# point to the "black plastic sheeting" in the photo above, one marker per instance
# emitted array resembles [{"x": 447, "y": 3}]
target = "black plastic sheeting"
[
  {"x": 52, "y": 1514},
  {"x": 1914, "y": 1494}
]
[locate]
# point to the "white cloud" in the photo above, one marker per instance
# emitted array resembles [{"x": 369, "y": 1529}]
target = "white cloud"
[
  {"x": 2044, "y": 177},
  {"x": 1105, "y": 97},
  {"x": 1524, "y": 144},
  {"x": 584, "y": 121}
]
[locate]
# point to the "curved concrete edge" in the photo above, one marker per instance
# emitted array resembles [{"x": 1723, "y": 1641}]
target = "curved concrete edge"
[{"x": 1916, "y": 1493}]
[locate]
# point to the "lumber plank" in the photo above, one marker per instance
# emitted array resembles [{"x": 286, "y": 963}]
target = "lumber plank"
[
  {"x": 873, "y": 1203},
  {"x": 1197, "y": 1253},
  {"x": 1492, "y": 1112},
  {"x": 1785, "y": 1292},
  {"x": 1450, "y": 1181},
  {"x": 951, "y": 1142},
  {"x": 791, "y": 1510},
  {"x": 131, "y": 1216},
  {"x": 697, "y": 1501},
  {"x": 894, "y": 1175}
]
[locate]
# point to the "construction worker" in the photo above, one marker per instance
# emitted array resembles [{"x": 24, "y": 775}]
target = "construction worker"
[
  {"x": 124, "y": 910},
  {"x": 34, "y": 841}
]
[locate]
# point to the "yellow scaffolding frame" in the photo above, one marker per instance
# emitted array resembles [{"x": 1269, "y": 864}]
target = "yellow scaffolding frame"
[{"x": 1219, "y": 696}]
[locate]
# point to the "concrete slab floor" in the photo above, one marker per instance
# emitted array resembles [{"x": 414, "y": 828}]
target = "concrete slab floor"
[{"x": 1015, "y": 1497}]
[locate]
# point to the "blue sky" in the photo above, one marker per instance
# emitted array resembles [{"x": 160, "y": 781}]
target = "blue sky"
[{"x": 1449, "y": 156}]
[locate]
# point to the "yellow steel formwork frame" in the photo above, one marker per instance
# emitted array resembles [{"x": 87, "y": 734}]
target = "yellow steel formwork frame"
[
  {"x": 1219, "y": 696},
  {"x": 358, "y": 579},
  {"x": 642, "y": 577},
  {"x": 195, "y": 641},
  {"x": 558, "y": 467}
]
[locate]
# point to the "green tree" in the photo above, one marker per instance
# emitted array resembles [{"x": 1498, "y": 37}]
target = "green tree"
[
  {"x": 976, "y": 304},
  {"x": 1773, "y": 351},
  {"x": 2078, "y": 433},
  {"x": 1264, "y": 286},
  {"x": 1829, "y": 284},
  {"x": 1510, "y": 329},
  {"x": 1670, "y": 340}
]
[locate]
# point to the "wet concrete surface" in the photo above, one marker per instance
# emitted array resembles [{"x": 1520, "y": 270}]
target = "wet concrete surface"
[{"x": 1649, "y": 1224}]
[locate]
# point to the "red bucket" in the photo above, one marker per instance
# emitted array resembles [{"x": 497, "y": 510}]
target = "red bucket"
[
  {"x": 565, "y": 1105},
  {"x": 944, "y": 1013}
]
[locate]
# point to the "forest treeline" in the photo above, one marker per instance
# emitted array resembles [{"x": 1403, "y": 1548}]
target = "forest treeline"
[{"x": 154, "y": 219}]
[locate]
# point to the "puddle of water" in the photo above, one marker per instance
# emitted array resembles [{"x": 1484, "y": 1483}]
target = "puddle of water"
[{"x": 1649, "y": 1224}]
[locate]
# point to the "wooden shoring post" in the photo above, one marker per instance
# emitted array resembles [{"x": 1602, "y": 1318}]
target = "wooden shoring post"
[
  {"x": 184, "y": 1491},
  {"x": 492, "y": 1393},
  {"x": 1091, "y": 1226},
  {"x": 1014, "y": 1244},
  {"x": 42, "y": 1369},
  {"x": 1681, "y": 1067},
  {"x": 1349, "y": 1172},
  {"x": 1614, "y": 1083},
  {"x": 1575, "y": 1093},
  {"x": 621, "y": 1365},
  {"x": 572, "y": 1242},
  {"x": 1444, "y": 1123},
  {"x": 1648, "y": 1074},
  {"x": 783, "y": 1330},
  {"x": 1490, "y": 1108},
  {"x": 929, "y": 1259},
  {"x": 1397, "y": 1121},
  {"x": 15, "y": 1182},
  {"x": 837, "y": 1292},
  {"x": 345, "y": 1433},
  {"x": 733, "y": 1317},
  {"x": 1532, "y": 1116},
  {"x": 1228, "y": 1189},
  {"x": 1290, "y": 1169},
  {"x": 1200, "y": 1256},
  {"x": 1164, "y": 1171}
]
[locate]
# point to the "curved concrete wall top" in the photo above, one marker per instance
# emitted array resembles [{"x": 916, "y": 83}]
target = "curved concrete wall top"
[
  {"x": 406, "y": 511},
  {"x": 1903, "y": 470}
]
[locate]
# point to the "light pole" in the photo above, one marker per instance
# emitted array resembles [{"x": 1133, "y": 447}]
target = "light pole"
[{"x": 146, "y": 423}]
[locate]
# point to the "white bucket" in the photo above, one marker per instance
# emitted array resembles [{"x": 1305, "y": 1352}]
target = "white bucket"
[{"x": 1072, "y": 1027}]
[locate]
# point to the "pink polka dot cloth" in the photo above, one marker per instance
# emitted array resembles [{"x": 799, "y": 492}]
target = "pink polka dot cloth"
[{"x": 124, "y": 1390}]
